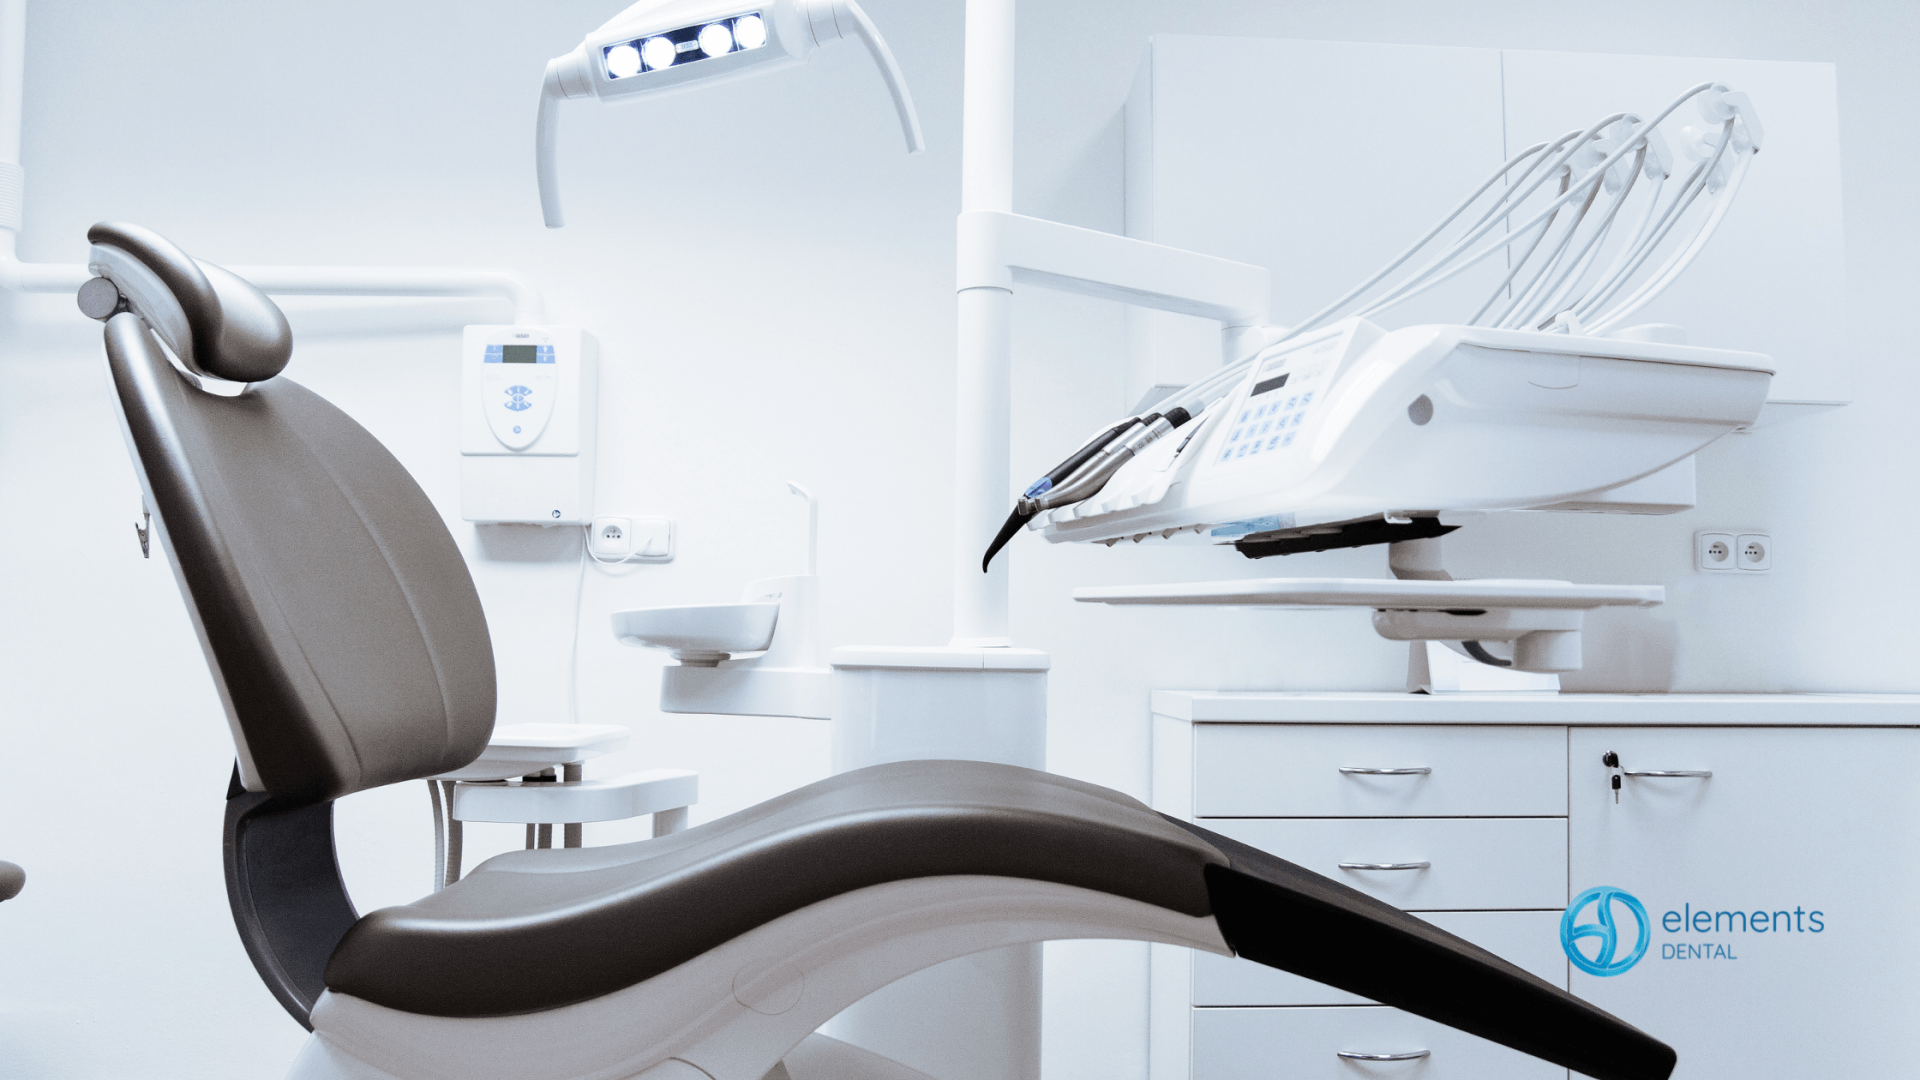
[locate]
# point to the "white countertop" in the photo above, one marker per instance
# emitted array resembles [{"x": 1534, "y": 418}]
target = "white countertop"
[{"x": 1610, "y": 710}]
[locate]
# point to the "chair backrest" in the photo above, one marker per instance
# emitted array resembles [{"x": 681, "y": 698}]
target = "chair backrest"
[{"x": 343, "y": 630}]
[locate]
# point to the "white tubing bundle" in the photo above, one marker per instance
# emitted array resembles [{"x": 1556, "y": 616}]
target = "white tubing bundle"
[{"x": 1576, "y": 262}]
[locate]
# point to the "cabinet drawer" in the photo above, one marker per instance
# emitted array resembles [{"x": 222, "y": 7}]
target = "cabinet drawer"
[
  {"x": 1294, "y": 770},
  {"x": 1528, "y": 939},
  {"x": 1305, "y": 1044},
  {"x": 1473, "y": 864}
]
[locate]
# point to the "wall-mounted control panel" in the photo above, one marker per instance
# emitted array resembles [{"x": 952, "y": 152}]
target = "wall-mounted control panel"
[{"x": 528, "y": 397}]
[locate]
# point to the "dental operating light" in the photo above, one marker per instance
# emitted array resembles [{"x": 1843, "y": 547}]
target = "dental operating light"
[{"x": 663, "y": 46}]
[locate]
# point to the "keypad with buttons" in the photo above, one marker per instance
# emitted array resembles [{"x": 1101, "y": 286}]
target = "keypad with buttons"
[
  {"x": 520, "y": 383},
  {"x": 1267, "y": 422}
]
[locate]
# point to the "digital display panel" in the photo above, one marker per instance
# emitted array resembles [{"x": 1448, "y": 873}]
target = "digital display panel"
[
  {"x": 1274, "y": 383},
  {"x": 519, "y": 354}
]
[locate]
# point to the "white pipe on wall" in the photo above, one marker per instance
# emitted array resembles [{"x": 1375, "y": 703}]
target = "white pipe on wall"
[
  {"x": 398, "y": 281},
  {"x": 27, "y": 277},
  {"x": 18, "y": 276}
]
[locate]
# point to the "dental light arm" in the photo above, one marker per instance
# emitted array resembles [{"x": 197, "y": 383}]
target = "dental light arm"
[
  {"x": 889, "y": 70},
  {"x": 546, "y": 133},
  {"x": 657, "y": 47}
]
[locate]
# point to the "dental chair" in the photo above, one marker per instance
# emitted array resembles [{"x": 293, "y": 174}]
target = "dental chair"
[{"x": 350, "y": 651}]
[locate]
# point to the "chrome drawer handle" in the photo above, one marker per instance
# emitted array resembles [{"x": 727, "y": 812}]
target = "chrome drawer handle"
[
  {"x": 1411, "y": 1055},
  {"x": 1421, "y": 865},
  {"x": 1703, "y": 774},
  {"x": 1359, "y": 770}
]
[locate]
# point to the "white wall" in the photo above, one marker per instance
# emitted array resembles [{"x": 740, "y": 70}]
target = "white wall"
[{"x": 771, "y": 281}]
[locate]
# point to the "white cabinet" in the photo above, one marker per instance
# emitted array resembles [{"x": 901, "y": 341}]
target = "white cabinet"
[
  {"x": 1778, "y": 940},
  {"x": 1780, "y": 893}
]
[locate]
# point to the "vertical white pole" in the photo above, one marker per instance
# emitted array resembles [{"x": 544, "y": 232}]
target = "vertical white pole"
[
  {"x": 986, "y": 335},
  {"x": 13, "y": 67},
  {"x": 13, "y": 70},
  {"x": 978, "y": 1017},
  {"x": 986, "y": 136}
]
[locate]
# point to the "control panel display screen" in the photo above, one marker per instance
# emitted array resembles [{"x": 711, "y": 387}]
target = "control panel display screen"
[{"x": 519, "y": 354}]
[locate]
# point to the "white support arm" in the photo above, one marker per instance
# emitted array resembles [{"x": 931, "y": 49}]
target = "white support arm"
[
  {"x": 999, "y": 249},
  {"x": 869, "y": 36},
  {"x": 546, "y": 138}
]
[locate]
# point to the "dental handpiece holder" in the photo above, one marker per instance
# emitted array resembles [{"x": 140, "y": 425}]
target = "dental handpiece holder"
[{"x": 777, "y": 618}]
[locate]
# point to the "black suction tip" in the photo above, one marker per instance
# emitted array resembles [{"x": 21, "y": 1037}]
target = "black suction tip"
[{"x": 1014, "y": 523}]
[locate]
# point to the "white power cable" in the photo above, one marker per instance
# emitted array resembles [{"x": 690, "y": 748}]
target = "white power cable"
[{"x": 573, "y": 652}]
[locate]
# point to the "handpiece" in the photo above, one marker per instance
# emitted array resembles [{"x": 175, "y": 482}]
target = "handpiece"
[{"x": 1086, "y": 471}]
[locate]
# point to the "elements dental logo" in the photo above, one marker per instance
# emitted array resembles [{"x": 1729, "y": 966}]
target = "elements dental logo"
[{"x": 1607, "y": 904}]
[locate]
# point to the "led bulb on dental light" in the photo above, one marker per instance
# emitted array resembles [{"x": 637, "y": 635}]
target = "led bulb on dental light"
[
  {"x": 622, "y": 61},
  {"x": 658, "y": 52},
  {"x": 664, "y": 46},
  {"x": 716, "y": 39}
]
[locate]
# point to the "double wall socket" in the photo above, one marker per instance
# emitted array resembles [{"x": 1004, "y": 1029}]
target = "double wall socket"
[
  {"x": 616, "y": 539},
  {"x": 1714, "y": 552}
]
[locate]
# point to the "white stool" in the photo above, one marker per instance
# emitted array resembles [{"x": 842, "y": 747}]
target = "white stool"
[{"x": 514, "y": 781}]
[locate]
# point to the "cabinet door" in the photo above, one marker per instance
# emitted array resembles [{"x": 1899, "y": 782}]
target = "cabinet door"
[{"x": 1777, "y": 895}]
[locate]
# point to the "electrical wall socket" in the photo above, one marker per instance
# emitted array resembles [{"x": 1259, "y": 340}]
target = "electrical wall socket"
[
  {"x": 1728, "y": 552},
  {"x": 614, "y": 538},
  {"x": 1754, "y": 552},
  {"x": 1713, "y": 551},
  {"x": 610, "y": 537}
]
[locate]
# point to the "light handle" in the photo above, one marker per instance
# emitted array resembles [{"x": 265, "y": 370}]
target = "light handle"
[
  {"x": 546, "y": 134},
  {"x": 832, "y": 19}
]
